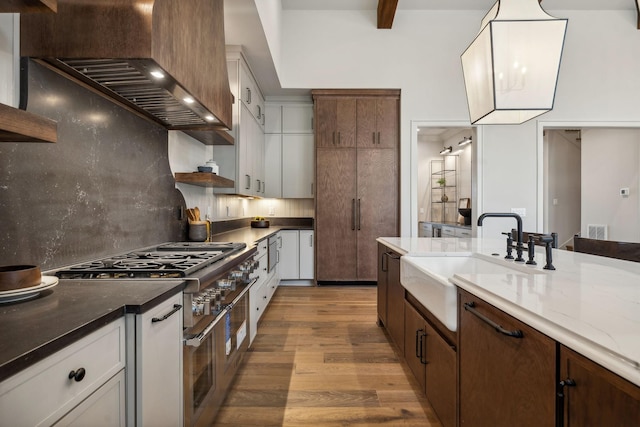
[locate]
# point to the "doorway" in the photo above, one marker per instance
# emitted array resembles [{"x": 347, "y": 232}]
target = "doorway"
[
  {"x": 589, "y": 180},
  {"x": 430, "y": 151}
]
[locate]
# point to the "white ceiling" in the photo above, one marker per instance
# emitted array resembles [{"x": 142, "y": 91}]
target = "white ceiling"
[
  {"x": 454, "y": 4},
  {"x": 243, "y": 27}
]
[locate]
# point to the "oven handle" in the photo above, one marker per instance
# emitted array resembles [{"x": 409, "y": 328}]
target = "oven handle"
[{"x": 197, "y": 340}]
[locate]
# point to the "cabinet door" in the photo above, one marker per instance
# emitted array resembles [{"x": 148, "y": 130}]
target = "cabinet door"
[
  {"x": 105, "y": 407},
  {"x": 245, "y": 174},
  {"x": 387, "y": 122},
  {"x": 335, "y": 122},
  {"x": 159, "y": 364},
  {"x": 598, "y": 396},
  {"x": 257, "y": 152},
  {"x": 335, "y": 214},
  {"x": 273, "y": 118},
  {"x": 297, "y": 166},
  {"x": 273, "y": 165},
  {"x": 346, "y": 122},
  {"x": 289, "y": 255},
  {"x": 382, "y": 285},
  {"x": 306, "y": 255},
  {"x": 377, "y": 122},
  {"x": 395, "y": 301},
  {"x": 376, "y": 205},
  {"x": 503, "y": 379},
  {"x": 297, "y": 118},
  {"x": 440, "y": 376},
  {"x": 415, "y": 339}
]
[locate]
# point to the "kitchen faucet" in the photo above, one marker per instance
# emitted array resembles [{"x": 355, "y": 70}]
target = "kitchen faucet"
[{"x": 519, "y": 246}]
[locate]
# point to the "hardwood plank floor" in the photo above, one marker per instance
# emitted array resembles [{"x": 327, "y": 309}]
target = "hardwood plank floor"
[{"x": 320, "y": 359}]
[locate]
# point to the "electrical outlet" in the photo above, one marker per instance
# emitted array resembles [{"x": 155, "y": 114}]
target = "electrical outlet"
[
  {"x": 520, "y": 211},
  {"x": 624, "y": 192},
  {"x": 272, "y": 211}
]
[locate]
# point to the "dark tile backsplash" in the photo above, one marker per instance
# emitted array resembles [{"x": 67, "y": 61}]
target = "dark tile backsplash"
[{"x": 105, "y": 187}]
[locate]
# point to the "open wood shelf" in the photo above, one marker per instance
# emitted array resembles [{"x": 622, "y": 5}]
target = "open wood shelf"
[
  {"x": 204, "y": 179},
  {"x": 22, "y": 126}
]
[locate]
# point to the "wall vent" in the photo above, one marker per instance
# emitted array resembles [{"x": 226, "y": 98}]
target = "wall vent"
[{"x": 597, "y": 231}]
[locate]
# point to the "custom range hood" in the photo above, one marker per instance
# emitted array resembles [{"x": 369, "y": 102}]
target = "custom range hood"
[{"x": 164, "y": 58}]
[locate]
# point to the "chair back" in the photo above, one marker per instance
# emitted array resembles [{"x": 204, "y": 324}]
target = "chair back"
[{"x": 628, "y": 251}]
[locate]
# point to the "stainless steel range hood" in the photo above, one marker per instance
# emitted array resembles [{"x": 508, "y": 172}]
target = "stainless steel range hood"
[{"x": 163, "y": 58}]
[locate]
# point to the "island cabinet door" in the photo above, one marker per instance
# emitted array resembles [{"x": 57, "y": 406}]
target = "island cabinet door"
[
  {"x": 591, "y": 395},
  {"x": 507, "y": 370}
]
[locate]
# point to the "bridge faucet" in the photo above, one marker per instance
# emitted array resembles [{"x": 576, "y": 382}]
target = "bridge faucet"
[{"x": 519, "y": 243}]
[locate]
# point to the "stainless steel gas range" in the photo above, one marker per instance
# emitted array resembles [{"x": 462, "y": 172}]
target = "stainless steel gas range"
[{"x": 218, "y": 276}]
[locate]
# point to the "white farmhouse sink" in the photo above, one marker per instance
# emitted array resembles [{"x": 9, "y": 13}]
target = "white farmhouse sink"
[{"x": 427, "y": 279}]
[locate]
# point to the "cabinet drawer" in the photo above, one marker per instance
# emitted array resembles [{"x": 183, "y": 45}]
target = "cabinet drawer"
[
  {"x": 463, "y": 232},
  {"x": 448, "y": 231},
  {"x": 43, "y": 393}
]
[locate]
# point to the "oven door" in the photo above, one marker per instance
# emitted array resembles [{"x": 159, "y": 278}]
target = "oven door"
[{"x": 200, "y": 379}]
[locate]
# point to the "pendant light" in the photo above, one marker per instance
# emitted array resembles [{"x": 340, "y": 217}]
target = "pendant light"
[{"x": 511, "y": 67}]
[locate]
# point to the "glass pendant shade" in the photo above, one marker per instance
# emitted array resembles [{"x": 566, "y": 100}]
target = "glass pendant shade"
[{"x": 511, "y": 68}]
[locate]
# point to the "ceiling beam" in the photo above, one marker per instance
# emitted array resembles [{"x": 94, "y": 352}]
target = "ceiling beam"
[{"x": 387, "y": 11}]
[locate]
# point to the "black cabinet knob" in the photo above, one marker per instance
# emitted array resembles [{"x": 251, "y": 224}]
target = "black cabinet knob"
[{"x": 77, "y": 375}]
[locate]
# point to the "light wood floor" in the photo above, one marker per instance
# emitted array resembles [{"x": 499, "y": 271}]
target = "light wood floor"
[{"x": 320, "y": 360}]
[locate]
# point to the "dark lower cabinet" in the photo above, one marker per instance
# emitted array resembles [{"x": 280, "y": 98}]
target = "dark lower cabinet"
[
  {"x": 433, "y": 362},
  {"x": 391, "y": 295},
  {"x": 507, "y": 370},
  {"x": 590, "y": 395}
]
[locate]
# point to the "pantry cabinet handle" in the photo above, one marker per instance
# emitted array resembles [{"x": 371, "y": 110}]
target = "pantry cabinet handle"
[
  {"x": 469, "y": 306},
  {"x": 359, "y": 214},
  {"x": 353, "y": 214},
  {"x": 176, "y": 308}
]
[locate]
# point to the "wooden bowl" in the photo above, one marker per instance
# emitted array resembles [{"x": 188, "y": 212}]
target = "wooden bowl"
[{"x": 19, "y": 276}]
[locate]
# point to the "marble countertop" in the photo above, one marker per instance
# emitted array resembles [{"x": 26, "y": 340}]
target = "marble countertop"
[{"x": 590, "y": 304}]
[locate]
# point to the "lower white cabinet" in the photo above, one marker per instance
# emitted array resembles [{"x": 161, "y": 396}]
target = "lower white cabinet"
[
  {"x": 77, "y": 385},
  {"x": 257, "y": 305},
  {"x": 297, "y": 255},
  {"x": 154, "y": 348}
]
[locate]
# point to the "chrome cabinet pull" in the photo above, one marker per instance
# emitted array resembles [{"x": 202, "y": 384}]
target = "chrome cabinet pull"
[
  {"x": 176, "y": 308},
  {"x": 470, "y": 307}
]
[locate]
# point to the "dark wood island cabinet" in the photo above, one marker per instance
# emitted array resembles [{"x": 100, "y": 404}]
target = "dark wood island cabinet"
[{"x": 506, "y": 369}]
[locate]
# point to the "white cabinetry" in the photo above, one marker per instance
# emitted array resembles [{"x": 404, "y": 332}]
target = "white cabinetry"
[
  {"x": 289, "y": 149},
  {"x": 243, "y": 162},
  {"x": 154, "y": 347},
  {"x": 258, "y": 292},
  {"x": 296, "y": 256},
  {"x": 84, "y": 383}
]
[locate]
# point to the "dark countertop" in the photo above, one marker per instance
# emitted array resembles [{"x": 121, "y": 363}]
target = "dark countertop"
[
  {"x": 33, "y": 330},
  {"x": 252, "y": 235}
]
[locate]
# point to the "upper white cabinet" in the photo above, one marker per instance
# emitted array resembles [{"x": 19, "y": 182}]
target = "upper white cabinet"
[
  {"x": 289, "y": 150},
  {"x": 297, "y": 118},
  {"x": 244, "y": 161}
]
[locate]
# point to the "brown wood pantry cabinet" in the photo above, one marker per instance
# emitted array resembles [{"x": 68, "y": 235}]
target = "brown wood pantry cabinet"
[{"x": 357, "y": 178}]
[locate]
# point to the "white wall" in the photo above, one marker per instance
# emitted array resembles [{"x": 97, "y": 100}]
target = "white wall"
[
  {"x": 610, "y": 161},
  {"x": 270, "y": 13},
  {"x": 421, "y": 56}
]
